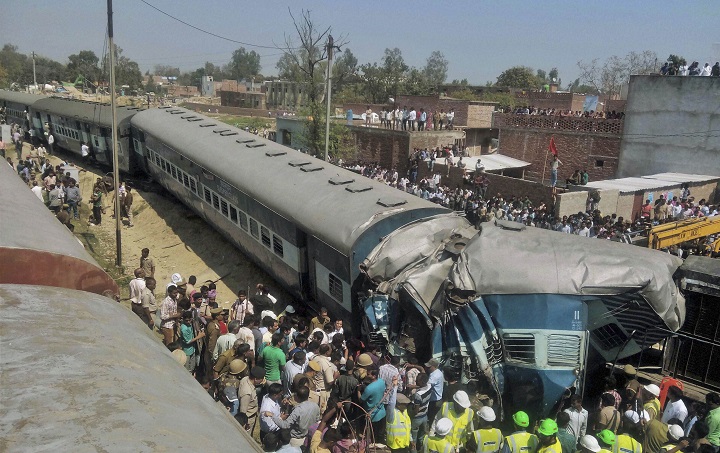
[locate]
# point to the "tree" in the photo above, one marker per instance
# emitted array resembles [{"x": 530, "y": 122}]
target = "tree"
[
  {"x": 436, "y": 68},
  {"x": 48, "y": 70},
  {"x": 244, "y": 65},
  {"x": 518, "y": 77},
  {"x": 541, "y": 75},
  {"x": 165, "y": 71},
  {"x": 463, "y": 82},
  {"x": 610, "y": 76},
  {"x": 553, "y": 75},
  {"x": 304, "y": 61},
  {"x": 676, "y": 60},
  {"x": 345, "y": 69},
  {"x": 16, "y": 66},
  {"x": 85, "y": 64},
  {"x": 127, "y": 72}
]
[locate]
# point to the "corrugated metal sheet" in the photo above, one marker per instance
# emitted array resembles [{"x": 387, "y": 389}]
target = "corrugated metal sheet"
[{"x": 649, "y": 182}]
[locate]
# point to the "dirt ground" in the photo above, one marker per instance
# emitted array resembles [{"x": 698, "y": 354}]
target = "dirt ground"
[{"x": 179, "y": 241}]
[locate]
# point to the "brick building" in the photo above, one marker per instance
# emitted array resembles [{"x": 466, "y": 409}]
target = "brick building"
[
  {"x": 582, "y": 143},
  {"x": 236, "y": 94}
]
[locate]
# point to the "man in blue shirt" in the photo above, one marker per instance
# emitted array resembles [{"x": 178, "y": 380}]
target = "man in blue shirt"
[
  {"x": 372, "y": 397},
  {"x": 437, "y": 382}
]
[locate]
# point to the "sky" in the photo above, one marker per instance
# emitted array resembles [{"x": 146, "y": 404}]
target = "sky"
[{"x": 480, "y": 39}]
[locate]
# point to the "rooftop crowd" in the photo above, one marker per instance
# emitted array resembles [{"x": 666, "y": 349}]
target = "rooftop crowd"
[
  {"x": 304, "y": 383},
  {"x": 681, "y": 68}
]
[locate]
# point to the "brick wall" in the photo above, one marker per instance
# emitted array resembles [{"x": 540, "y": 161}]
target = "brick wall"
[
  {"x": 504, "y": 185},
  {"x": 582, "y": 144}
]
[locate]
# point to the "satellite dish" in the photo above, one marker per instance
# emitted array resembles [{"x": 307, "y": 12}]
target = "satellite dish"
[
  {"x": 554, "y": 79},
  {"x": 391, "y": 99}
]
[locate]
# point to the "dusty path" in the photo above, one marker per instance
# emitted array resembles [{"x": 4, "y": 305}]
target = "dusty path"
[{"x": 178, "y": 240}]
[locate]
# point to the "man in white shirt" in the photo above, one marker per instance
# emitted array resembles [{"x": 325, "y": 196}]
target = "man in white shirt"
[
  {"x": 676, "y": 406},
  {"x": 136, "y": 286},
  {"x": 412, "y": 116},
  {"x": 84, "y": 152},
  {"x": 578, "y": 417},
  {"x": 584, "y": 231},
  {"x": 225, "y": 342},
  {"x": 269, "y": 408},
  {"x": 37, "y": 190}
]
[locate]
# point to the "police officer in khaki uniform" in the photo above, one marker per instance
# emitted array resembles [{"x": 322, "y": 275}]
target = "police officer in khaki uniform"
[
  {"x": 229, "y": 384},
  {"x": 247, "y": 395}
]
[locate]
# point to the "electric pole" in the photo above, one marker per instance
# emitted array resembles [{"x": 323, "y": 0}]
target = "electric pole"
[
  {"x": 34, "y": 75},
  {"x": 116, "y": 170},
  {"x": 330, "y": 47}
]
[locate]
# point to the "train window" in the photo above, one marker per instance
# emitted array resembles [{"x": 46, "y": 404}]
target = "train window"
[
  {"x": 186, "y": 180},
  {"x": 224, "y": 207},
  {"x": 193, "y": 185},
  {"x": 254, "y": 229},
  {"x": 336, "y": 288},
  {"x": 206, "y": 192},
  {"x": 215, "y": 201},
  {"x": 609, "y": 336},
  {"x": 233, "y": 214},
  {"x": 173, "y": 171},
  {"x": 265, "y": 235},
  {"x": 157, "y": 159},
  {"x": 243, "y": 221},
  {"x": 520, "y": 347},
  {"x": 278, "y": 246}
]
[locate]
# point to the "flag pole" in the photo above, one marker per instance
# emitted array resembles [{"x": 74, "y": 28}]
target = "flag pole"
[{"x": 545, "y": 165}]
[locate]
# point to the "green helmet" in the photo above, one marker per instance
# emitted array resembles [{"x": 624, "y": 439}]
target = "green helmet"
[
  {"x": 521, "y": 419},
  {"x": 548, "y": 427},
  {"x": 606, "y": 436}
]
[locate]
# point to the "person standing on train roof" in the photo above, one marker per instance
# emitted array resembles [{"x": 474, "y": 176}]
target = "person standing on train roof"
[
  {"x": 520, "y": 441},
  {"x": 146, "y": 263}
]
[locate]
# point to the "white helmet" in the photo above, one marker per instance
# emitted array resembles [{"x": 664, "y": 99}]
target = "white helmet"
[
  {"x": 487, "y": 413},
  {"x": 443, "y": 427},
  {"x": 653, "y": 389},
  {"x": 461, "y": 397},
  {"x": 589, "y": 442},
  {"x": 675, "y": 432}
]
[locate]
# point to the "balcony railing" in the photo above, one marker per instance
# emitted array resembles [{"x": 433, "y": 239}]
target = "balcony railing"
[{"x": 558, "y": 123}]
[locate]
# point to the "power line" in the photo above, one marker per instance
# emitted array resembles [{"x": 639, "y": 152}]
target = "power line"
[{"x": 209, "y": 32}]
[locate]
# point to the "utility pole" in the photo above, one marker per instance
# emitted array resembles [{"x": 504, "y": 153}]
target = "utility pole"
[
  {"x": 116, "y": 170},
  {"x": 330, "y": 47},
  {"x": 34, "y": 75}
]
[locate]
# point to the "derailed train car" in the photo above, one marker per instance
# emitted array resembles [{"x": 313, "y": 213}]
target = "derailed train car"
[
  {"x": 80, "y": 372},
  {"x": 518, "y": 310}
]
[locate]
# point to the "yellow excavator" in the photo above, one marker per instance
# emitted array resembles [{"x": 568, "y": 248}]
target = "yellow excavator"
[{"x": 704, "y": 231}]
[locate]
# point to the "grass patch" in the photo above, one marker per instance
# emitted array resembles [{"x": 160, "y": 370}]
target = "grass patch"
[{"x": 253, "y": 122}]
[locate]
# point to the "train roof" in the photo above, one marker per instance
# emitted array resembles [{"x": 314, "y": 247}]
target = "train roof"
[
  {"x": 84, "y": 110},
  {"x": 334, "y": 204},
  {"x": 92, "y": 377},
  {"x": 20, "y": 97},
  {"x": 35, "y": 246}
]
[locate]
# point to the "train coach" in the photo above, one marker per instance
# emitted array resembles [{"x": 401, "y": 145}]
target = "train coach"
[
  {"x": 18, "y": 107},
  {"x": 307, "y": 222},
  {"x": 79, "y": 371}
]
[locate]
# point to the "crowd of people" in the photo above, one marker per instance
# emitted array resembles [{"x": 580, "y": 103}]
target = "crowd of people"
[
  {"x": 532, "y": 110},
  {"x": 304, "y": 383},
  {"x": 409, "y": 119},
  {"x": 681, "y": 68},
  {"x": 475, "y": 199}
]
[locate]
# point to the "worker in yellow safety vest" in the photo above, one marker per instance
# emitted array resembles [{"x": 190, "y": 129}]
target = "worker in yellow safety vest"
[
  {"x": 485, "y": 439},
  {"x": 547, "y": 437},
  {"x": 438, "y": 443},
  {"x": 520, "y": 441},
  {"x": 650, "y": 394},
  {"x": 398, "y": 424},
  {"x": 675, "y": 433},
  {"x": 606, "y": 440},
  {"x": 624, "y": 443},
  {"x": 461, "y": 416}
]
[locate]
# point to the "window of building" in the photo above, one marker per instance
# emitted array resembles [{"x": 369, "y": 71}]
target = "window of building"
[
  {"x": 265, "y": 235},
  {"x": 599, "y": 163},
  {"x": 278, "y": 246},
  {"x": 336, "y": 288},
  {"x": 254, "y": 229}
]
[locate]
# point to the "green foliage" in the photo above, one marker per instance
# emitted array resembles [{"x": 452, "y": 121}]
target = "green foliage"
[
  {"x": 244, "y": 65},
  {"x": 436, "y": 69},
  {"x": 463, "y": 82},
  {"x": 17, "y": 67},
  {"x": 165, "y": 71},
  {"x": 676, "y": 60},
  {"x": 503, "y": 99},
  {"x": 464, "y": 94},
  {"x": 84, "y": 64},
  {"x": 518, "y": 77}
]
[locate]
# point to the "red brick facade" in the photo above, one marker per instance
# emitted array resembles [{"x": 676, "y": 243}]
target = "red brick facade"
[{"x": 582, "y": 144}]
